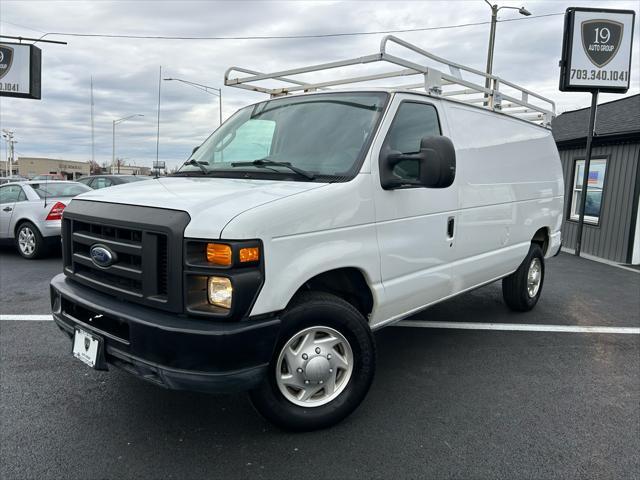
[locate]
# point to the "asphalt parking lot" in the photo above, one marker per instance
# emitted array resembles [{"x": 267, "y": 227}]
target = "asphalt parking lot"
[{"x": 445, "y": 403}]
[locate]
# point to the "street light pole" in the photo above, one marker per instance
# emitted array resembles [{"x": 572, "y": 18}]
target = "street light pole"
[
  {"x": 205, "y": 88},
  {"x": 8, "y": 136},
  {"x": 113, "y": 138},
  {"x": 492, "y": 41},
  {"x": 113, "y": 145},
  {"x": 492, "y": 38}
]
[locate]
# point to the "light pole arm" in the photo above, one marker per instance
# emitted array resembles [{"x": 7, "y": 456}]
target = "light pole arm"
[
  {"x": 205, "y": 88},
  {"x": 120, "y": 120}
]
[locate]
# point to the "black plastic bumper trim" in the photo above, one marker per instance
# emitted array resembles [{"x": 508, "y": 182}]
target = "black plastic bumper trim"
[{"x": 175, "y": 352}]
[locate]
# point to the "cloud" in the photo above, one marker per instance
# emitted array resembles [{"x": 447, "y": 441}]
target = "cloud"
[{"x": 125, "y": 71}]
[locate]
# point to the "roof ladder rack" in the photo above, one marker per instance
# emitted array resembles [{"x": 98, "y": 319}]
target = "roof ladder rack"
[{"x": 501, "y": 95}]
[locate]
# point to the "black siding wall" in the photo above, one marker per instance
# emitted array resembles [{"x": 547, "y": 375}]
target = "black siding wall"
[{"x": 611, "y": 238}]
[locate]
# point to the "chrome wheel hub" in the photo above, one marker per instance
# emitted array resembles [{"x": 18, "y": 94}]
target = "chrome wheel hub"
[
  {"x": 26, "y": 241},
  {"x": 534, "y": 277},
  {"x": 314, "y": 366}
]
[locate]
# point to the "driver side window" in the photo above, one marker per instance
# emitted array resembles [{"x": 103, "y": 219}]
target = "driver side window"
[{"x": 412, "y": 123}]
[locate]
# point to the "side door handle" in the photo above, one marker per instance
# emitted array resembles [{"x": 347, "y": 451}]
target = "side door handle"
[
  {"x": 450, "y": 228},
  {"x": 7, "y": 209}
]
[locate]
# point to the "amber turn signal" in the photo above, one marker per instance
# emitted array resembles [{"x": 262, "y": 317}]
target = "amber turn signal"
[
  {"x": 219, "y": 254},
  {"x": 251, "y": 254}
]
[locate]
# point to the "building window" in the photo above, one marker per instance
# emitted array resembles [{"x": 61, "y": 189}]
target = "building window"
[{"x": 595, "y": 186}]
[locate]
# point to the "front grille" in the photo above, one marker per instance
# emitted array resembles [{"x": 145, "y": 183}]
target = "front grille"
[
  {"x": 125, "y": 274},
  {"x": 163, "y": 261},
  {"x": 145, "y": 269}
]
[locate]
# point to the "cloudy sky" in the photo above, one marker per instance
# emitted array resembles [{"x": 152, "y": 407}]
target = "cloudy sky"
[{"x": 125, "y": 71}]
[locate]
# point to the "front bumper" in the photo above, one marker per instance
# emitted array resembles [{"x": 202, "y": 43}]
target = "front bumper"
[{"x": 164, "y": 348}]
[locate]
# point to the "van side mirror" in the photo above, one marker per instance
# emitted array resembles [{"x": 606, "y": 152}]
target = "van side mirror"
[{"x": 434, "y": 166}]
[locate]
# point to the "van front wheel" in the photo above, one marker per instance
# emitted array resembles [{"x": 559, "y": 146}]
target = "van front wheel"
[
  {"x": 521, "y": 290},
  {"x": 322, "y": 367}
]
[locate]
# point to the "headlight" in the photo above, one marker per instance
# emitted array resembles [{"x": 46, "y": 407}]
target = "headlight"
[{"x": 219, "y": 291}]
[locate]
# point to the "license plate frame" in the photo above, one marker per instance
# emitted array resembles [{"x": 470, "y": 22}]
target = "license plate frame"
[{"x": 88, "y": 348}]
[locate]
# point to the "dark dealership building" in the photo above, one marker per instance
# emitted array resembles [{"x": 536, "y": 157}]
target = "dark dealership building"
[{"x": 612, "y": 226}]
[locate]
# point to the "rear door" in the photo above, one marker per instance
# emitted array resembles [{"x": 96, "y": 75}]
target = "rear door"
[{"x": 415, "y": 225}]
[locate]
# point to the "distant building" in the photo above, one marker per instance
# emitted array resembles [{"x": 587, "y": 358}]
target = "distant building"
[
  {"x": 70, "y": 169},
  {"x": 3, "y": 169},
  {"x": 130, "y": 170},
  {"x": 612, "y": 211}
]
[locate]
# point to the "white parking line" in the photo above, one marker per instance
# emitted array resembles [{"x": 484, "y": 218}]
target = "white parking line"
[
  {"x": 26, "y": 318},
  {"x": 519, "y": 327},
  {"x": 515, "y": 327}
]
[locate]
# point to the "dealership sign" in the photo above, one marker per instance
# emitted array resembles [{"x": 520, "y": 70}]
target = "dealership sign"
[
  {"x": 596, "y": 50},
  {"x": 20, "y": 70}
]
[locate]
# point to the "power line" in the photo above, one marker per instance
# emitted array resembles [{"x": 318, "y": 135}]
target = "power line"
[
  {"x": 288, "y": 37},
  {"x": 22, "y": 26}
]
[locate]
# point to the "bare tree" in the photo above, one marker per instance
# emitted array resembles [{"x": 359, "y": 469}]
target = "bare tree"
[
  {"x": 94, "y": 167},
  {"x": 119, "y": 163}
]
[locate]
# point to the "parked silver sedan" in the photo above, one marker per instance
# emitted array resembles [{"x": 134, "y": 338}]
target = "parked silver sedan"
[{"x": 31, "y": 213}]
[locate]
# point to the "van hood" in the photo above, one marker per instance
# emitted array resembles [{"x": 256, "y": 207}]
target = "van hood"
[{"x": 210, "y": 202}]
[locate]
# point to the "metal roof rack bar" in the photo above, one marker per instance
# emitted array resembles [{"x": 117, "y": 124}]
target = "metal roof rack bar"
[{"x": 493, "y": 98}]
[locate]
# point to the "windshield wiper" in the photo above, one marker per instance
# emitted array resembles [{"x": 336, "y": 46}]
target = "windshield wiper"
[
  {"x": 196, "y": 164},
  {"x": 270, "y": 163}
]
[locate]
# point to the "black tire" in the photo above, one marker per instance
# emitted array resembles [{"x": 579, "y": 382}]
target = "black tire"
[
  {"x": 515, "y": 287},
  {"x": 39, "y": 247},
  {"x": 313, "y": 309}
]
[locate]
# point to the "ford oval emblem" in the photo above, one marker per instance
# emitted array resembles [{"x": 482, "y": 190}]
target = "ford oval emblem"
[{"x": 102, "y": 256}]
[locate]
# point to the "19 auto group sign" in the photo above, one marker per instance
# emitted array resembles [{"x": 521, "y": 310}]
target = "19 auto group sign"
[
  {"x": 6, "y": 59},
  {"x": 596, "y": 51},
  {"x": 19, "y": 70}
]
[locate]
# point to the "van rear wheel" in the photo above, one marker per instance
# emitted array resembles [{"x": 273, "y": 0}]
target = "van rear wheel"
[
  {"x": 521, "y": 290},
  {"x": 322, "y": 367}
]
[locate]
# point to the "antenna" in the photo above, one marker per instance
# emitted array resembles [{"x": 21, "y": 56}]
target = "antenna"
[{"x": 46, "y": 179}]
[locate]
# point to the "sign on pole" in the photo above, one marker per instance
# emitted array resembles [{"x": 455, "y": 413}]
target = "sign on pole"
[
  {"x": 596, "y": 57},
  {"x": 20, "y": 67},
  {"x": 596, "y": 50}
]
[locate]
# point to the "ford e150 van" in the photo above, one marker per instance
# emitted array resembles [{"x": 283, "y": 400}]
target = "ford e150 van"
[{"x": 306, "y": 222}]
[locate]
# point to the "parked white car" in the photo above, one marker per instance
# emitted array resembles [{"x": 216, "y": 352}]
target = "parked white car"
[
  {"x": 298, "y": 228},
  {"x": 31, "y": 213}
]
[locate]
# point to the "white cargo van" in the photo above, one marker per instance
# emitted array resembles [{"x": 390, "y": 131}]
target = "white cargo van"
[{"x": 306, "y": 222}]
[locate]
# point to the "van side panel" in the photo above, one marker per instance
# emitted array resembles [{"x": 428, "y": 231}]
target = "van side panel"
[
  {"x": 320, "y": 230},
  {"x": 510, "y": 184}
]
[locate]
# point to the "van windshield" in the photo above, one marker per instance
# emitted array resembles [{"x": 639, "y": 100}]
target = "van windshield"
[{"x": 325, "y": 135}]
